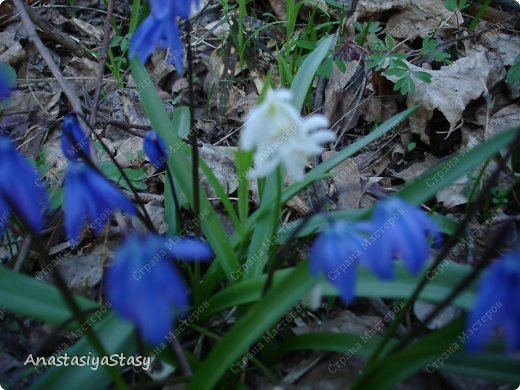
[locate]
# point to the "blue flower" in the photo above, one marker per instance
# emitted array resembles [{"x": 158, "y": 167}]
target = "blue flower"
[
  {"x": 88, "y": 194},
  {"x": 145, "y": 288},
  {"x": 398, "y": 229},
  {"x": 21, "y": 189},
  {"x": 160, "y": 29},
  {"x": 497, "y": 304},
  {"x": 73, "y": 138},
  {"x": 155, "y": 149},
  {"x": 7, "y": 81},
  {"x": 163, "y": 9},
  {"x": 336, "y": 253}
]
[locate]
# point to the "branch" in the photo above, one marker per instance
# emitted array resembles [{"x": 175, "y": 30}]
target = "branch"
[{"x": 102, "y": 61}]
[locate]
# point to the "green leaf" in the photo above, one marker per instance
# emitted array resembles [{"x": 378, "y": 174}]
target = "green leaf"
[
  {"x": 513, "y": 74},
  {"x": 423, "y": 76},
  {"x": 181, "y": 169},
  {"x": 448, "y": 275},
  {"x": 136, "y": 176},
  {"x": 116, "y": 336},
  {"x": 325, "y": 69},
  {"x": 181, "y": 119},
  {"x": 341, "y": 65},
  {"x": 429, "y": 354},
  {"x": 433, "y": 350},
  {"x": 303, "y": 79},
  {"x": 31, "y": 298},
  {"x": 249, "y": 328},
  {"x": 263, "y": 240}
]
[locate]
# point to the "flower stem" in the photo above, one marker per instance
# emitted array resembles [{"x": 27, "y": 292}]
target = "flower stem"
[
  {"x": 145, "y": 218},
  {"x": 175, "y": 199},
  {"x": 193, "y": 137}
]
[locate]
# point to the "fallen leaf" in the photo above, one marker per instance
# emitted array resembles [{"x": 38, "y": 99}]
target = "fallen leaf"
[
  {"x": 452, "y": 88},
  {"x": 347, "y": 181},
  {"x": 220, "y": 161},
  {"x": 422, "y": 17}
]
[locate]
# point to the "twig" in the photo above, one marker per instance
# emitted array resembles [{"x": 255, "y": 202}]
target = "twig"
[
  {"x": 102, "y": 61},
  {"x": 183, "y": 362},
  {"x": 145, "y": 217},
  {"x": 24, "y": 250},
  {"x": 31, "y": 33},
  {"x": 57, "y": 36}
]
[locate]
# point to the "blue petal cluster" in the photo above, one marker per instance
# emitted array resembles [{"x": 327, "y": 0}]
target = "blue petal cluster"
[
  {"x": 399, "y": 230},
  {"x": 497, "y": 304},
  {"x": 160, "y": 29},
  {"x": 396, "y": 229},
  {"x": 155, "y": 149},
  {"x": 74, "y": 142},
  {"x": 6, "y": 83},
  {"x": 21, "y": 189},
  {"x": 88, "y": 194},
  {"x": 336, "y": 253},
  {"x": 145, "y": 288}
]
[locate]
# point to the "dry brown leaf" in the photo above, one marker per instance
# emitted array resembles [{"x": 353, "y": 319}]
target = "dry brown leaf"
[
  {"x": 452, "y": 88},
  {"x": 503, "y": 119},
  {"x": 422, "y": 17},
  {"x": 345, "y": 322},
  {"x": 156, "y": 214},
  {"x": 336, "y": 85},
  {"x": 11, "y": 51},
  {"x": 367, "y": 9},
  {"x": 87, "y": 28},
  {"x": 220, "y": 160},
  {"x": 423, "y": 309},
  {"x": 279, "y": 9},
  {"x": 347, "y": 181},
  {"x": 506, "y": 45},
  {"x": 81, "y": 74}
]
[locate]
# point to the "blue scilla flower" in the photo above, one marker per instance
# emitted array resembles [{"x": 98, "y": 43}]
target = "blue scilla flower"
[
  {"x": 336, "y": 253},
  {"x": 163, "y": 9},
  {"x": 398, "y": 229},
  {"x": 88, "y": 194},
  {"x": 21, "y": 189},
  {"x": 73, "y": 138},
  {"x": 144, "y": 287},
  {"x": 497, "y": 304},
  {"x": 7, "y": 81},
  {"x": 155, "y": 149},
  {"x": 160, "y": 29}
]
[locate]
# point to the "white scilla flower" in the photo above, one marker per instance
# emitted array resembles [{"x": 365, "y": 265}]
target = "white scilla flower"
[{"x": 281, "y": 136}]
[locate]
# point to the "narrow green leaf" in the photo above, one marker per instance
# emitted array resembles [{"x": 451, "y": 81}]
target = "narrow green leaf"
[
  {"x": 251, "y": 327},
  {"x": 117, "y": 337},
  {"x": 31, "y": 298},
  {"x": 428, "y": 355},
  {"x": 181, "y": 168},
  {"x": 303, "y": 79},
  {"x": 368, "y": 285}
]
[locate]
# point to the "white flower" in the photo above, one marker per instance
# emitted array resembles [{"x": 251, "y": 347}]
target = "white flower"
[{"x": 281, "y": 135}]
